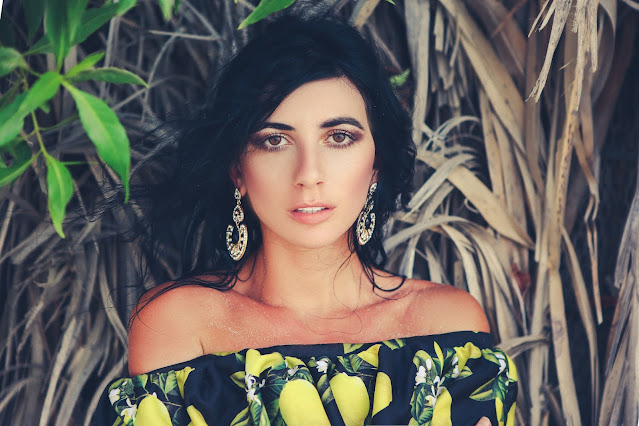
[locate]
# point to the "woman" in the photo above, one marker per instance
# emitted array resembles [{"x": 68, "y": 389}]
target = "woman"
[{"x": 300, "y": 157}]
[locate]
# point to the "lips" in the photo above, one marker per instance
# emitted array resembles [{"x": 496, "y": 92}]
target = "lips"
[
  {"x": 310, "y": 214},
  {"x": 310, "y": 210}
]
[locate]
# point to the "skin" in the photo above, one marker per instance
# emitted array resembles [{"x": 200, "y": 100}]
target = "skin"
[{"x": 305, "y": 286}]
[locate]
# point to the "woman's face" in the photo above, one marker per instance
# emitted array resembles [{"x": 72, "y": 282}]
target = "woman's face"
[{"x": 308, "y": 170}]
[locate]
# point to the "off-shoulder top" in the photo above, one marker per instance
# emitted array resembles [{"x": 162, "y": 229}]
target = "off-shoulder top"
[{"x": 453, "y": 378}]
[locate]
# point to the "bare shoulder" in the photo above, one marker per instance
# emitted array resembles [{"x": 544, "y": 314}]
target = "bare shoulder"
[
  {"x": 440, "y": 308},
  {"x": 166, "y": 325}
]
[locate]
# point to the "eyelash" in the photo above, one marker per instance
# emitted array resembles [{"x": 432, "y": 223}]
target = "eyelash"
[{"x": 353, "y": 138}]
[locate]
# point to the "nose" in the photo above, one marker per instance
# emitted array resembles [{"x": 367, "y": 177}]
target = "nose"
[{"x": 309, "y": 170}]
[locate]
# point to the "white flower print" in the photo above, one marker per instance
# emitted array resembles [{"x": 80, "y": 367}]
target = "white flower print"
[
  {"x": 322, "y": 366},
  {"x": 420, "y": 377},
  {"x": 114, "y": 395},
  {"x": 249, "y": 381},
  {"x": 292, "y": 371},
  {"x": 455, "y": 372},
  {"x": 429, "y": 364},
  {"x": 430, "y": 400},
  {"x": 130, "y": 412},
  {"x": 502, "y": 362}
]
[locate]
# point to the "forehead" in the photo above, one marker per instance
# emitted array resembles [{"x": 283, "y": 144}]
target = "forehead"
[{"x": 321, "y": 99}]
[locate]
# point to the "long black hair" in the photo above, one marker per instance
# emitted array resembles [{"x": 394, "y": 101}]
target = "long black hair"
[{"x": 195, "y": 199}]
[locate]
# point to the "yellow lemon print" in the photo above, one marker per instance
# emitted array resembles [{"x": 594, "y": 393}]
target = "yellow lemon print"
[
  {"x": 499, "y": 409},
  {"x": 351, "y": 398},
  {"x": 181, "y": 377},
  {"x": 293, "y": 362},
  {"x": 300, "y": 404},
  {"x": 256, "y": 363},
  {"x": 512, "y": 370},
  {"x": 371, "y": 355},
  {"x": 441, "y": 411},
  {"x": 383, "y": 392},
  {"x": 510, "y": 421},
  {"x": 152, "y": 412},
  {"x": 197, "y": 419},
  {"x": 466, "y": 352}
]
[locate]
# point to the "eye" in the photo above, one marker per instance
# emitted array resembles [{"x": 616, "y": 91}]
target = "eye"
[
  {"x": 342, "y": 138},
  {"x": 339, "y": 137},
  {"x": 274, "y": 141}
]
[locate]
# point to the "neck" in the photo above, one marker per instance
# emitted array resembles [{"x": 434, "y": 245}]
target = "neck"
[{"x": 326, "y": 282}]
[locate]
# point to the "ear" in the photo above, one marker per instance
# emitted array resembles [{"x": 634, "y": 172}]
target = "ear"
[
  {"x": 375, "y": 177},
  {"x": 236, "y": 177}
]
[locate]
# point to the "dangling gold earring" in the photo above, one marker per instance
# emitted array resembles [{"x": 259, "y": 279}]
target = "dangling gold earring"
[
  {"x": 237, "y": 250},
  {"x": 364, "y": 233}
]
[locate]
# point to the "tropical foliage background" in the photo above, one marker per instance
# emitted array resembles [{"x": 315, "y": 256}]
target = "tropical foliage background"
[{"x": 526, "y": 130}]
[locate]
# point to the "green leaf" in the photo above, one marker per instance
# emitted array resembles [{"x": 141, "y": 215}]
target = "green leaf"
[
  {"x": 7, "y": 37},
  {"x": 10, "y": 59},
  {"x": 41, "y": 46},
  {"x": 10, "y": 123},
  {"x": 394, "y": 343},
  {"x": 140, "y": 380},
  {"x": 93, "y": 19},
  {"x": 399, "y": 80},
  {"x": 33, "y": 13},
  {"x": 391, "y": 2},
  {"x": 356, "y": 362},
  {"x": 238, "y": 378},
  {"x": 86, "y": 64},
  {"x": 57, "y": 29},
  {"x": 167, "y": 7},
  {"x": 484, "y": 392},
  {"x": 110, "y": 74},
  {"x": 42, "y": 90},
  {"x": 106, "y": 132},
  {"x": 265, "y": 8},
  {"x": 170, "y": 385},
  {"x": 60, "y": 187},
  {"x": 242, "y": 418},
  {"x": 127, "y": 387},
  {"x": 327, "y": 396},
  {"x": 21, "y": 160},
  {"x": 348, "y": 347},
  {"x": 425, "y": 416}
]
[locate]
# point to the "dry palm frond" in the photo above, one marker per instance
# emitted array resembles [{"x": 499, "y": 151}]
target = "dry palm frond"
[{"x": 494, "y": 211}]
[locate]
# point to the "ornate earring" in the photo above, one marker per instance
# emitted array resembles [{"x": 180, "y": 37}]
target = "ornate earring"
[
  {"x": 237, "y": 250},
  {"x": 366, "y": 219}
]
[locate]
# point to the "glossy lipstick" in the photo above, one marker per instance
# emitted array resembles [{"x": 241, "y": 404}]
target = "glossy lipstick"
[{"x": 311, "y": 214}]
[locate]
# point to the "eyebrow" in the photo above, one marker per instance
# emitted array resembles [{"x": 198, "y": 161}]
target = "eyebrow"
[{"x": 326, "y": 124}]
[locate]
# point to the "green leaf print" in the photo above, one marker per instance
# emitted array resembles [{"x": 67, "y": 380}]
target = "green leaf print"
[
  {"x": 273, "y": 408},
  {"x": 327, "y": 396},
  {"x": 127, "y": 387},
  {"x": 489, "y": 355},
  {"x": 417, "y": 401},
  {"x": 238, "y": 378},
  {"x": 348, "y": 347},
  {"x": 394, "y": 343},
  {"x": 242, "y": 418},
  {"x": 140, "y": 381},
  {"x": 159, "y": 380},
  {"x": 425, "y": 416},
  {"x": 466, "y": 372},
  {"x": 499, "y": 389},
  {"x": 484, "y": 392},
  {"x": 351, "y": 363},
  {"x": 170, "y": 386}
]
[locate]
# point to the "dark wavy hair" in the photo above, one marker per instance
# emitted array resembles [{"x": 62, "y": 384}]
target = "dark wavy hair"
[{"x": 196, "y": 199}]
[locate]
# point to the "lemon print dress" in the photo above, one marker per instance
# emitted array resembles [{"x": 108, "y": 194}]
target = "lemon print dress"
[{"x": 447, "y": 379}]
